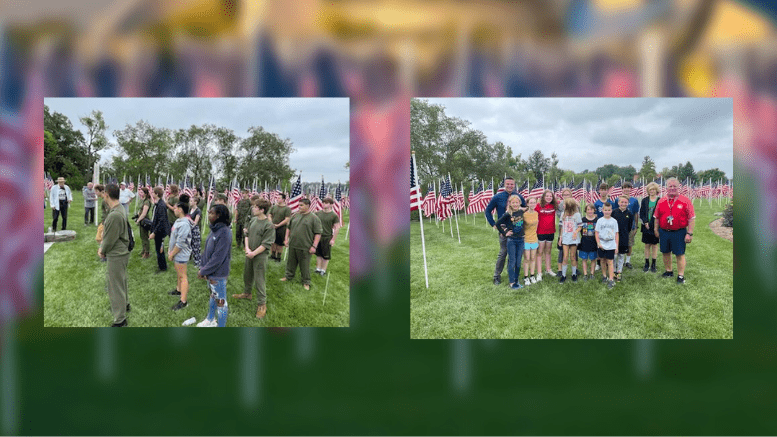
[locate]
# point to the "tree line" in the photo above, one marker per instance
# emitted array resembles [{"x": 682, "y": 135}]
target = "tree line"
[
  {"x": 144, "y": 149},
  {"x": 449, "y": 145}
]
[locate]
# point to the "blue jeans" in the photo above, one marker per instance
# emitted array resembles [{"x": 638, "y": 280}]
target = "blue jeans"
[
  {"x": 218, "y": 292},
  {"x": 515, "y": 253}
]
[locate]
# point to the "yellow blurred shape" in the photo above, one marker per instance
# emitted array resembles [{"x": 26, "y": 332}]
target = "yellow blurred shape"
[
  {"x": 697, "y": 75},
  {"x": 611, "y": 6},
  {"x": 201, "y": 18},
  {"x": 734, "y": 23}
]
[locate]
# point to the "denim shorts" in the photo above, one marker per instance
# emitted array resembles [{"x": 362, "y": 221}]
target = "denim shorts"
[
  {"x": 530, "y": 246},
  {"x": 586, "y": 255}
]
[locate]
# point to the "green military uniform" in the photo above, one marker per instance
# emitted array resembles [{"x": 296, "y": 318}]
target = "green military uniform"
[
  {"x": 171, "y": 218},
  {"x": 302, "y": 231},
  {"x": 279, "y": 213},
  {"x": 143, "y": 231},
  {"x": 115, "y": 247},
  {"x": 328, "y": 221},
  {"x": 104, "y": 211},
  {"x": 243, "y": 218},
  {"x": 260, "y": 233}
]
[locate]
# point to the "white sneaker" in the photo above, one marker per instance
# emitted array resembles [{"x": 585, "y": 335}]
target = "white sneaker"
[
  {"x": 539, "y": 277},
  {"x": 207, "y": 324},
  {"x": 597, "y": 268},
  {"x": 533, "y": 279},
  {"x": 551, "y": 273},
  {"x": 527, "y": 282}
]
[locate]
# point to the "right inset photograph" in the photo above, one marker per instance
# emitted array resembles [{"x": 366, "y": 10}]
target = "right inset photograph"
[{"x": 571, "y": 218}]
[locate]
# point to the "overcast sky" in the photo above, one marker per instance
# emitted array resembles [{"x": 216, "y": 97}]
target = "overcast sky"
[
  {"x": 318, "y": 128},
  {"x": 588, "y": 133}
]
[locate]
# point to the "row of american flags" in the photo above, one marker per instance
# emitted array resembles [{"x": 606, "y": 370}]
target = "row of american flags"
[
  {"x": 451, "y": 197},
  {"x": 233, "y": 192}
]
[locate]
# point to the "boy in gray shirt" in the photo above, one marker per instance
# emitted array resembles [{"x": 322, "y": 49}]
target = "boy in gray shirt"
[{"x": 607, "y": 242}]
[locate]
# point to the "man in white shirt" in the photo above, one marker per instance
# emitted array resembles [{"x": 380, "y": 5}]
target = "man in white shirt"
[
  {"x": 125, "y": 197},
  {"x": 59, "y": 199}
]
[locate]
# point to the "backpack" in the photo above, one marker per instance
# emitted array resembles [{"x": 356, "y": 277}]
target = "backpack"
[{"x": 131, "y": 244}]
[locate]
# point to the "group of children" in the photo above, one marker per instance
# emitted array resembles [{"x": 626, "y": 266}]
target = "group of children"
[{"x": 602, "y": 238}]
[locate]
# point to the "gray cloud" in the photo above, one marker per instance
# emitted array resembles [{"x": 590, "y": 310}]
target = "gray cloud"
[
  {"x": 319, "y": 129},
  {"x": 587, "y": 133}
]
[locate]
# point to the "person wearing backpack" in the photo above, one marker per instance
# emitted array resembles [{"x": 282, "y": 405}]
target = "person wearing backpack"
[{"x": 116, "y": 248}]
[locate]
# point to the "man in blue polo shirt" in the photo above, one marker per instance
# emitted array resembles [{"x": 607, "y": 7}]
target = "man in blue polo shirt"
[{"x": 499, "y": 202}]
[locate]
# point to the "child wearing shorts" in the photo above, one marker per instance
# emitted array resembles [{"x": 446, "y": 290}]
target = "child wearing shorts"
[
  {"x": 587, "y": 249},
  {"x": 570, "y": 237},
  {"x": 530, "y": 220},
  {"x": 179, "y": 251},
  {"x": 607, "y": 242}
]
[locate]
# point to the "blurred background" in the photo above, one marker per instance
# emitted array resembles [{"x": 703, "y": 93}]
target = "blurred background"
[{"x": 370, "y": 378}]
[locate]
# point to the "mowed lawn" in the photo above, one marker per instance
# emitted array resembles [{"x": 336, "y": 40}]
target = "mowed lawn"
[
  {"x": 462, "y": 302},
  {"x": 75, "y": 296}
]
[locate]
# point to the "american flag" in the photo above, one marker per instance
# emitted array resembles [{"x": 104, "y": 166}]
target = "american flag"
[
  {"x": 296, "y": 195},
  {"x": 460, "y": 199},
  {"x": 338, "y": 209},
  {"x": 48, "y": 182},
  {"x": 446, "y": 199},
  {"x": 536, "y": 190},
  {"x": 211, "y": 190},
  {"x": 275, "y": 195},
  {"x": 487, "y": 195},
  {"x": 593, "y": 192},
  {"x": 501, "y": 187},
  {"x": 524, "y": 190},
  {"x": 579, "y": 191},
  {"x": 474, "y": 201},
  {"x": 415, "y": 189},
  {"x": 234, "y": 195},
  {"x": 167, "y": 187},
  {"x": 315, "y": 201},
  {"x": 639, "y": 190},
  {"x": 429, "y": 202},
  {"x": 347, "y": 200},
  {"x": 556, "y": 187},
  {"x": 617, "y": 190}
]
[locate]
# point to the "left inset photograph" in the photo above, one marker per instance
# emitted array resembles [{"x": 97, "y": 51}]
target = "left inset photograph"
[{"x": 196, "y": 212}]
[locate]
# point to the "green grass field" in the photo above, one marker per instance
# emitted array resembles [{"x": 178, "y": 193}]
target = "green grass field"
[
  {"x": 462, "y": 302},
  {"x": 74, "y": 286}
]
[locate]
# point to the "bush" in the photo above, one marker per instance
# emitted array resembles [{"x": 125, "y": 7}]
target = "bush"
[{"x": 728, "y": 215}]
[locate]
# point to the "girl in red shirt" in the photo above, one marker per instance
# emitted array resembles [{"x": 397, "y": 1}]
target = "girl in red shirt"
[{"x": 546, "y": 229}]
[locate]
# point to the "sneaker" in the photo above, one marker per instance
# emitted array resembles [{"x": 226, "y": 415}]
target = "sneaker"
[
  {"x": 526, "y": 281},
  {"x": 129, "y": 308},
  {"x": 159, "y": 271},
  {"x": 646, "y": 268},
  {"x": 628, "y": 266},
  {"x": 497, "y": 281},
  {"x": 585, "y": 278},
  {"x": 667, "y": 274},
  {"x": 597, "y": 268},
  {"x": 323, "y": 273},
  {"x": 610, "y": 284},
  {"x": 561, "y": 279},
  {"x": 261, "y": 311},
  {"x": 174, "y": 292},
  {"x": 558, "y": 274},
  {"x": 207, "y": 324},
  {"x": 180, "y": 305},
  {"x": 604, "y": 279},
  {"x": 120, "y": 324},
  {"x": 574, "y": 278},
  {"x": 534, "y": 279},
  {"x": 539, "y": 277},
  {"x": 550, "y": 273},
  {"x": 680, "y": 279},
  {"x": 653, "y": 269},
  {"x": 618, "y": 276},
  {"x": 516, "y": 286}
]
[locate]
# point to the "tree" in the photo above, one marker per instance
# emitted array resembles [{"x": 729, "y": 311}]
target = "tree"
[
  {"x": 193, "y": 149},
  {"x": 613, "y": 179},
  {"x": 264, "y": 156},
  {"x": 144, "y": 150},
  {"x": 715, "y": 174},
  {"x": 648, "y": 170},
  {"x": 537, "y": 164},
  {"x": 226, "y": 144},
  {"x": 95, "y": 136},
  {"x": 64, "y": 154},
  {"x": 686, "y": 173}
]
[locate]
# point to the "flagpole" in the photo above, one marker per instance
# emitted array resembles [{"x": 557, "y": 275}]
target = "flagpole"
[
  {"x": 423, "y": 239},
  {"x": 456, "y": 216}
]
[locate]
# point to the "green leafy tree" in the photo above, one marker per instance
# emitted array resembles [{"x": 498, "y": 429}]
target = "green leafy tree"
[
  {"x": 715, "y": 173},
  {"x": 143, "y": 150},
  {"x": 537, "y": 165},
  {"x": 68, "y": 157},
  {"x": 264, "y": 156},
  {"x": 648, "y": 169},
  {"x": 686, "y": 172},
  {"x": 95, "y": 139}
]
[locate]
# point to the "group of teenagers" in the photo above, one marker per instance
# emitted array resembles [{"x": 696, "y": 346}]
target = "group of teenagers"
[
  {"x": 262, "y": 231},
  {"x": 601, "y": 236}
]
